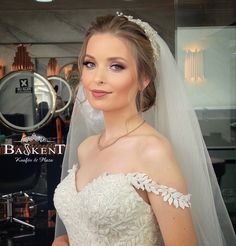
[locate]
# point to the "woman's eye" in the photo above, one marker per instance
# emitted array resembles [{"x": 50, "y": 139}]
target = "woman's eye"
[
  {"x": 117, "y": 67},
  {"x": 88, "y": 64}
]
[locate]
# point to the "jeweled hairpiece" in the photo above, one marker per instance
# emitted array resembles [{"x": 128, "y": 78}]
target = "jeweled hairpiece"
[{"x": 149, "y": 31}]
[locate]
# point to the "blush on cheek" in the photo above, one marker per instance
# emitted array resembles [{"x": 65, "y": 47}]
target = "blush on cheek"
[{"x": 129, "y": 90}]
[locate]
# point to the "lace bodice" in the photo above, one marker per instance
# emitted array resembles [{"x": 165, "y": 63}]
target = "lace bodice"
[{"x": 109, "y": 211}]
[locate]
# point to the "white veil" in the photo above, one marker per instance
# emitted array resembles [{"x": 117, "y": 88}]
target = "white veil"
[{"x": 172, "y": 116}]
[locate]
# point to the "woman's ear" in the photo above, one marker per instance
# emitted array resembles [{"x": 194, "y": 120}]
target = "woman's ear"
[{"x": 145, "y": 82}]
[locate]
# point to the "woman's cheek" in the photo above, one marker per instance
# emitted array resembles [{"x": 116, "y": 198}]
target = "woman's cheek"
[{"x": 128, "y": 88}]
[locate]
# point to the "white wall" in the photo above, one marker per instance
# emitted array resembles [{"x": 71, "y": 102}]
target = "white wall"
[
  {"x": 218, "y": 90},
  {"x": 216, "y": 95}
]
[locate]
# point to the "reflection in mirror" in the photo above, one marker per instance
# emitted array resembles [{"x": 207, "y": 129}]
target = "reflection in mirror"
[
  {"x": 27, "y": 101},
  {"x": 63, "y": 93},
  {"x": 71, "y": 74}
]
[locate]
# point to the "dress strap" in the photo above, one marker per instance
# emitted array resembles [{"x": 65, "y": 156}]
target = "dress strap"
[{"x": 170, "y": 195}]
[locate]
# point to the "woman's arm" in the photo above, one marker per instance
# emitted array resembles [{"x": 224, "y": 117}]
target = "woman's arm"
[
  {"x": 176, "y": 224},
  {"x": 61, "y": 241}
]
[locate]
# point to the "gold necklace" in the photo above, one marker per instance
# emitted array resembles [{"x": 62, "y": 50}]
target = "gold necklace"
[{"x": 100, "y": 147}]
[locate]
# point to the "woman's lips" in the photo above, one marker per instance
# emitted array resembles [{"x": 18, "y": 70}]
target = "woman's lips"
[{"x": 99, "y": 93}]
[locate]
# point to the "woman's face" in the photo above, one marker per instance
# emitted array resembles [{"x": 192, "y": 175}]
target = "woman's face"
[{"x": 109, "y": 73}]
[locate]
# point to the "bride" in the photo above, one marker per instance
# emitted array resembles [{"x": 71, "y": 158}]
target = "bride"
[{"x": 133, "y": 182}]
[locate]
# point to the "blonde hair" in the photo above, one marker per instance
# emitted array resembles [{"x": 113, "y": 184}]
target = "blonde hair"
[{"x": 122, "y": 27}]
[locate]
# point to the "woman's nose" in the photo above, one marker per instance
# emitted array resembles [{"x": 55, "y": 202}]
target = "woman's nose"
[{"x": 100, "y": 76}]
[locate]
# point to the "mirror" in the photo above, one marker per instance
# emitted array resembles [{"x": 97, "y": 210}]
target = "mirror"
[
  {"x": 27, "y": 101},
  {"x": 63, "y": 93},
  {"x": 71, "y": 74}
]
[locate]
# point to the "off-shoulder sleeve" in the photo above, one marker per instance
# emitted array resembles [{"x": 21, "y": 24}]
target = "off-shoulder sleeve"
[{"x": 170, "y": 195}]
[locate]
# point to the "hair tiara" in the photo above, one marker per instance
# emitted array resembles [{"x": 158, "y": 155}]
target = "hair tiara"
[{"x": 149, "y": 31}]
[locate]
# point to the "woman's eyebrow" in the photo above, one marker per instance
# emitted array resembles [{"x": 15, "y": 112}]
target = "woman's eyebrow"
[
  {"x": 117, "y": 58},
  {"x": 109, "y": 58},
  {"x": 87, "y": 55}
]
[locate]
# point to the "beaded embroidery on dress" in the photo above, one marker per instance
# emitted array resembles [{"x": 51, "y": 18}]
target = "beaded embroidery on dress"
[{"x": 109, "y": 211}]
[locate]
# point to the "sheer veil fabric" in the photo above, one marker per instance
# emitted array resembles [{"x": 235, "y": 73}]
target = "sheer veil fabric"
[{"x": 173, "y": 116}]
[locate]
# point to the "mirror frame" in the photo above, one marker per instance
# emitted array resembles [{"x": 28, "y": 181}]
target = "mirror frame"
[{"x": 48, "y": 116}]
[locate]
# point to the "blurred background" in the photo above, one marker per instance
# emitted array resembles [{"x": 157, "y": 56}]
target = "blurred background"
[{"x": 46, "y": 37}]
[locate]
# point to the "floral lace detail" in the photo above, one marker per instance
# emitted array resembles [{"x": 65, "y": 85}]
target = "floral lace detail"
[
  {"x": 108, "y": 211},
  {"x": 142, "y": 181}
]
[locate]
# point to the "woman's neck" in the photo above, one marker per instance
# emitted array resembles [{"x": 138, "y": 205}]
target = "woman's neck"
[{"x": 119, "y": 123}]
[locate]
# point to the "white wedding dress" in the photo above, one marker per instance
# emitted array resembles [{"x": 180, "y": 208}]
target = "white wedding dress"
[{"x": 109, "y": 211}]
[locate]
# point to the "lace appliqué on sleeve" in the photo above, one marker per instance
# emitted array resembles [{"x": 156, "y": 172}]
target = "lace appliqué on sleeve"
[{"x": 170, "y": 195}]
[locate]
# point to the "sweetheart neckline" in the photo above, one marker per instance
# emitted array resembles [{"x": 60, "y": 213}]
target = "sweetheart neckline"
[
  {"x": 143, "y": 182},
  {"x": 89, "y": 183},
  {"x": 94, "y": 179},
  {"x": 75, "y": 169}
]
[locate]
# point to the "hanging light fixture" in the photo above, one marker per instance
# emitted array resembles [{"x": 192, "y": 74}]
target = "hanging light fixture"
[
  {"x": 193, "y": 66},
  {"x": 22, "y": 60},
  {"x": 53, "y": 67},
  {"x": 2, "y": 71}
]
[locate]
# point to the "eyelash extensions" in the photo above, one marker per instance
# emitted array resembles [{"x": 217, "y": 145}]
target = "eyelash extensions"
[{"x": 114, "y": 66}]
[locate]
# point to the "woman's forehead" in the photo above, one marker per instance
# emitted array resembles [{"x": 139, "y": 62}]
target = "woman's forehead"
[{"x": 107, "y": 42}]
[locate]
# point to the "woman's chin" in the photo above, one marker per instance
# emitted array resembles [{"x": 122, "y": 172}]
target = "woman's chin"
[{"x": 97, "y": 106}]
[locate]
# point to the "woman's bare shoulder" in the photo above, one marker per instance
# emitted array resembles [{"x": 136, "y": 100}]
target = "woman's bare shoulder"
[
  {"x": 159, "y": 161},
  {"x": 155, "y": 148},
  {"x": 153, "y": 142}
]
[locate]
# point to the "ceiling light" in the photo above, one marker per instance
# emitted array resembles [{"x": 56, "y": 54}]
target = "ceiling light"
[{"x": 44, "y": 1}]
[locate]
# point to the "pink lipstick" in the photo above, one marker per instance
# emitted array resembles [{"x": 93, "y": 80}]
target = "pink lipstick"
[{"x": 99, "y": 93}]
